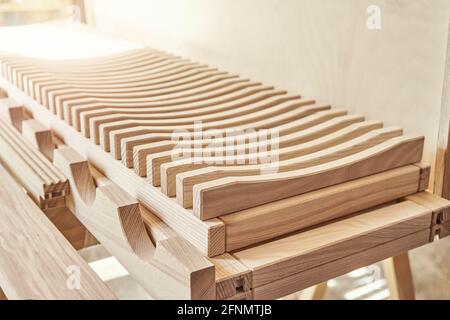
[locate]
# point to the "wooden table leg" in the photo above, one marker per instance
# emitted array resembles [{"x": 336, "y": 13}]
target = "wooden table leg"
[
  {"x": 397, "y": 271},
  {"x": 2, "y": 295}
]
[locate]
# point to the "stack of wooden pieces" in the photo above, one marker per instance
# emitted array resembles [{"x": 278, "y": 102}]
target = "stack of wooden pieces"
[
  {"x": 329, "y": 163},
  {"x": 45, "y": 184}
]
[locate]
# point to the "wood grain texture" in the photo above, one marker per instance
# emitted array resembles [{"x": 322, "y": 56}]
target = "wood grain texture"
[
  {"x": 425, "y": 175},
  {"x": 2, "y": 295},
  {"x": 12, "y": 112},
  {"x": 397, "y": 271},
  {"x": 232, "y": 277},
  {"x": 271, "y": 220},
  {"x": 70, "y": 227},
  {"x": 442, "y": 172},
  {"x": 433, "y": 202},
  {"x": 318, "y": 246},
  {"x": 321, "y": 146},
  {"x": 444, "y": 230},
  {"x": 186, "y": 181},
  {"x": 36, "y": 173},
  {"x": 245, "y": 192},
  {"x": 269, "y": 119},
  {"x": 3, "y": 94},
  {"x": 209, "y": 236},
  {"x": 35, "y": 257},
  {"x": 304, "y": 142},
  {"x": 339, "y": 267},
  {"x": 445, "y": 216}
]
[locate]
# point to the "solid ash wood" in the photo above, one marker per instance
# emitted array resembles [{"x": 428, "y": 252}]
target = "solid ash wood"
[
  {"x": 337, "y": 240},
  {"x": 172, "y": 268},
  {"x": 128, "y": 106},
  {"x": 399, "y": 277}
]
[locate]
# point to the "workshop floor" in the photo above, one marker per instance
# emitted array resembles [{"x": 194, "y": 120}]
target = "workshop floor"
[{"x": 430, "y": 265}]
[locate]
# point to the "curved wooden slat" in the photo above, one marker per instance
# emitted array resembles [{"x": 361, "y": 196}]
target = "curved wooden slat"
[
  {"x": 58, "y": 93},
  {"x": 216, "y": 121}
]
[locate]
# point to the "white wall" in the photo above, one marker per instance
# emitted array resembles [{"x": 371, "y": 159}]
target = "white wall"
[{"x": 318, "y": 48}]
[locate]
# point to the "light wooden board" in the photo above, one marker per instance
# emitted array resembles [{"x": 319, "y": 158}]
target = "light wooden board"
[
  {"x": 397, "y": 271},
  {"x": 3, "y": 94}
]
